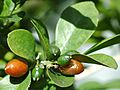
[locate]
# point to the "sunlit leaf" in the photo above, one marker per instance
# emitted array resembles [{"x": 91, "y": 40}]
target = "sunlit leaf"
[
  {"x": 43, "y": 35},
  {"x": 105, "y": 43},
  {"x": 22, "y": 43},
  {"x": 71, "y": 33},
  {"x": 100, "y": 59},
  {"x": 7, "y": 8},
  {"x": 5, "y": 84}
]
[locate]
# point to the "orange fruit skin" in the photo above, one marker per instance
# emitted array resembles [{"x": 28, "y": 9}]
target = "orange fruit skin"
[
  {"x": 16, "y": 68},
  {"x": 74, "y": 67}
]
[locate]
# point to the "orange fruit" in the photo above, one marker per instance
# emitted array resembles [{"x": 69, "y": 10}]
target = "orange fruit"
[
  {"x": 74, "y": 67},
  {"x": 16, "y": 68}
]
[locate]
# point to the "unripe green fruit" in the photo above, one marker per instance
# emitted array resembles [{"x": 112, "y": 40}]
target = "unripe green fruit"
[
  {"x": 37, "y": 73},
  {"x": 63, "y": 60},
  {"x": 8, "y": 56},
  {"x": 55, "y": 51}
]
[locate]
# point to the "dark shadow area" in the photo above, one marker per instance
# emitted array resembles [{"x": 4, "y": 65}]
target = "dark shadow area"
[
  {"x": 80, "y": 21},
  {"x": 1, "y": 5},
  {"x": 41, "y": 84},
  {"x": 55, "y": 71},
  {"x": 58, "y": 73},
  {"x": 2, "y": 73},
  {"x": 18, "y": 80},
  {"x": 66, "y": 88}
]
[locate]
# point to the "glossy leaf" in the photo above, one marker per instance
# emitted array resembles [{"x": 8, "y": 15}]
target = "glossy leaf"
[
  {"x": 105, "y": 60},
  {"x": 43, "y": 35},
  {"x": 25, "y": 84},
  {"x": 100, "y": 59},
  {"x": 5, "y": 84},
  {"x": 71, "y": 33},
  {"x": 22, "y": 43},
  {"x": 59, "y": 79},
  {"x": 7, "y": 8},
  {"x": 105, "y": 43}
]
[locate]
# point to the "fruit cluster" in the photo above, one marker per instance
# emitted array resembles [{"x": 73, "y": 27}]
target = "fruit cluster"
[{"x": 66, "y": 65}]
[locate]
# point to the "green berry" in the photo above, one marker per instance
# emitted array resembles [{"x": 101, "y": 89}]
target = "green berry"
[
  {"x": 8, "y": 56},
  {"x": 37, "y": 73},
  {"x": 63, "y": 60},
  {"x": 55, "y": 51}
]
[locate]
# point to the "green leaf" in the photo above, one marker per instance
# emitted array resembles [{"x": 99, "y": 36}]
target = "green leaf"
[
  {"x": 25, "y": 84},
  {"x": 100, "y": 59},
  {"x": 105, "y": 60},
  {"x": 22, "y": 43},
  {"x": 43, "y": 35},
  {"x": 76, "y": 25},
  {"x": 5, "y": 84},
  {"x": 59, "y": 79},
  {"x": 7, "y": 8},
  {"x": 39, "y": 85},
  {"x": 15, "y": 18},
  {"x": 105, "y": 43}
]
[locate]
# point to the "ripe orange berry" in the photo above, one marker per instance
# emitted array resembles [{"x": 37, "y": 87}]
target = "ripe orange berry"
[
  {"x": 16, "y": 68},
  {"x": 74, "y": 67}
]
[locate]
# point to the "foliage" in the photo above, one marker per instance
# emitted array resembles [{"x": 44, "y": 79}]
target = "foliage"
[{"x": 75, "y": 25}]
